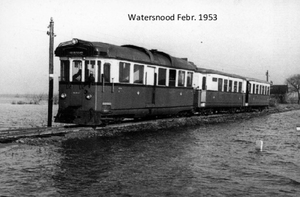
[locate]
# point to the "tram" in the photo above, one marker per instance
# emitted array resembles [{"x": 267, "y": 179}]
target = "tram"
[{"x": 101, "y": 82}]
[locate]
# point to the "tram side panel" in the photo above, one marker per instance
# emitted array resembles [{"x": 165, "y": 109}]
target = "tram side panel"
[
  {"x": 122, "y": 100},
  {"x": 139, "y": 100},
  {"x": 258, "y": 100},
  {"x": 216, "y": 99},
  {"x": 173, "y": 100}
]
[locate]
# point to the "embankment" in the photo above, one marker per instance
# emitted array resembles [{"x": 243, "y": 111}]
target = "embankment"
[{"x": 57, "y": 135}]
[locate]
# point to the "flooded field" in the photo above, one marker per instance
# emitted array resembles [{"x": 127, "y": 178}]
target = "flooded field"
[
  {"x": 14, "y": 115},
  {"x": 210, "y": 160}
]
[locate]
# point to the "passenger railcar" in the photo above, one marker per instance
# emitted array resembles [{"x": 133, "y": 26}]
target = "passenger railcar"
[
  {"x": 101, "y": 82},
  {"x": 219, "y": 91},
  {"x": 258, "y": 92}
]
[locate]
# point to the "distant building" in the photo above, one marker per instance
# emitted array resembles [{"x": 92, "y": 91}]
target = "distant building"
[
  {"x": 279, "y": 89},
  {"x": 279, "y": 92}
]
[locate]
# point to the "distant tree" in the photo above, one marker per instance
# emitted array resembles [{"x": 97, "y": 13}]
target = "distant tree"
[
  {"x": 294, "y": 84},
  {"x": 35, "y": 98}
]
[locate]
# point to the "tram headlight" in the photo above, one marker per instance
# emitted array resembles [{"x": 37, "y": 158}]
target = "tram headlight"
[
  {"x": 63, "y": 95},
  {"x": 74, "y": 41},
  {"x": 88, "y": 96}
]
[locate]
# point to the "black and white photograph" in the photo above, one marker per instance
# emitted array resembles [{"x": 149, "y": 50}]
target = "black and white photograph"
[{"x": 150, "y": 98}]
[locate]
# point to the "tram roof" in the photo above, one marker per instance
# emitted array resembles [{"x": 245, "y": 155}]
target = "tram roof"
[
  {"x": 258, "y": 80},
  {"x": 83, "y": 48},
  {"x": 211, "y": 71}
]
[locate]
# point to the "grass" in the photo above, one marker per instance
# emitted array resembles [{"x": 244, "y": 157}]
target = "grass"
[
  {"x": 25, "y": 103},
  {"x": 34, "y": 99}
]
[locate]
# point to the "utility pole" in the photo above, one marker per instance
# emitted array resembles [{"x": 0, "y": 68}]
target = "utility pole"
[
  {"x": 50, "y": 99},
  {"x": 267, "y": 75}
]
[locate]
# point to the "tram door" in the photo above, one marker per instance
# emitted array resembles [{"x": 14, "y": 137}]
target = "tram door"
[
  {"x": 150, "y": 82},
  {"x": 150, "y": 75}
]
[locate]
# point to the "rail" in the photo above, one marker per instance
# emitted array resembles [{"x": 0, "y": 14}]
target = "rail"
[{"x": 130, "y": 125}]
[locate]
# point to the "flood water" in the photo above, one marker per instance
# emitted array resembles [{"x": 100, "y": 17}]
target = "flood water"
[
  {"x": 13, "y": 116},
  {"x": 212, "y": 160}
]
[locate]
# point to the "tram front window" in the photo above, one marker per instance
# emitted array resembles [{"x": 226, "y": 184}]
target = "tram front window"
[
  {"x": 64, "y": 70},
  {"x": 90, "y": 69},
  {"x": 77, "y": 70}
]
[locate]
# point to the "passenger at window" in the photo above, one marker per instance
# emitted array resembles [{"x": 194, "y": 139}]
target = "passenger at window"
[
  {"x": 91, "y": 78},
  {"x": 77, "y": 76}
]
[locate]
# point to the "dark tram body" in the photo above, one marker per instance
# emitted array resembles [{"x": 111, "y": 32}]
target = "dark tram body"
[{"x": 102, "y": 82}]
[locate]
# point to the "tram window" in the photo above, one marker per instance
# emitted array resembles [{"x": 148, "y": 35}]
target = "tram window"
[
  {"x": 263, "y": 90},
  {"x": 189, "y": 80},
  {"x": 230, "y": 86},
  {"x": 268, "y": 91},
  {"x": 65, "y": 70},
  {"x": 235, "y": 86},
  {"x": 90, "y": 71},
  {"x": 138, "y": 75},
  {"x": 86, "y": 70},
  {"x": 106, "y": 72},
  {"x": 181, "y": 78},
  {"x": 249, "y": 87},
  {"x": 253, "y": 89},
  {"x": 204, "y": 83},
  {"x": 172, "y": 78},
  {"x": 225, "y": 85},
  {"x": 257, "y": 86},
  {"x": 260, "y": 89},
  {"x": 76, "y": 70},
  {"x": 99, "y": 71},
  {"x": 162, "y": 76},
  {"x": 220, "y": 84},
  {"x": 214, "y": 79},
  {"x": 240, "y": 87},
  {"x": 124, "y": 72}
]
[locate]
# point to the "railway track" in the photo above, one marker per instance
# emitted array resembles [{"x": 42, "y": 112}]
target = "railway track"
[
  {"x": 15, "y": 134},
  {"x": 128, "y": 125},
  {"x": 125, "y": 126}
]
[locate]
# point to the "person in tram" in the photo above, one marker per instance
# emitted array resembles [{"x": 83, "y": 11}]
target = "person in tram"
[
  {"x": 77, "y": 76},
  {"x": 91, "y": 78}
]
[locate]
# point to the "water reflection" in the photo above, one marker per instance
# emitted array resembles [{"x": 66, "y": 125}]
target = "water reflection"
[
  {"x": 27, "y": 170},
  {"x": 140, "y": 162},
  {"x": 213, "y": 160}
]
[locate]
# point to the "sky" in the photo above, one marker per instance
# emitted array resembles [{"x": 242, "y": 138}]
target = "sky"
[{"x": 247, "y": 38}]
